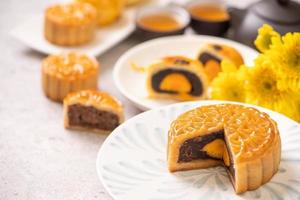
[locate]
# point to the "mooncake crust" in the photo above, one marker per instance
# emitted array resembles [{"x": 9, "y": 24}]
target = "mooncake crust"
[
  {"x": 70, "y": 72},
  {"x": 70, "y": 24},
  {"x": 251, "y": 136}
]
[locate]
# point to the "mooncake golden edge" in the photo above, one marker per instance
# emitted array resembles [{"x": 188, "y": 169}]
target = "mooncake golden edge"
[
  {"x": 68, "y": 35},
  {"x": 249, "y": 175}
]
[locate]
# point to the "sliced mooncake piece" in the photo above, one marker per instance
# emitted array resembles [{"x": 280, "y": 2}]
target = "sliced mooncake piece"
[
  {"x": 211, "y": 56},
  {"x": 242, "y": 139},
  {"x": 177, "y": 77},
  {"x": 92, "y": 110}
]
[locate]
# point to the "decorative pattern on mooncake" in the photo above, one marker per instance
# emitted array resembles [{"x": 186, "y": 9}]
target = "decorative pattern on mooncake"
[
  {"x": 243, "y": 139},
  {"x": 211, "y": 56},
  {"x": 70, "y": 24},
  {"x": 92, "y": 110},
  {"x": 177, "y": 77},
  {"x": 65, "y": 73}
]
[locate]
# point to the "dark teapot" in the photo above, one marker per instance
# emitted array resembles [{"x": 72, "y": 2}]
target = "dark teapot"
[{"x": 282, "y": 15}]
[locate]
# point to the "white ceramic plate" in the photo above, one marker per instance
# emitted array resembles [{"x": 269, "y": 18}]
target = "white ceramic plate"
[
  {"x": 133, "y": 85},
  {"x": 132, "y": 163},
  {"x": 32, "y": 34}
]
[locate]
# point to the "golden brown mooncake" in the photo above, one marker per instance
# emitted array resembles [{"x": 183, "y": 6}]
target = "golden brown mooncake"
[
  {"x": 177, "y": 77},
  {"x": 242, "y": 139},
  {"x": 70, "y": 72},
  {"x": 92, "y": 110},
  {"x": 109, "y": 11},
  {"x": 211, "y": 56},
  {"x": 70, "y": 24}
]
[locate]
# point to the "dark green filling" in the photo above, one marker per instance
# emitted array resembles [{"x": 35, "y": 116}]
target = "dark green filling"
[{"x": 157, "y": 78}]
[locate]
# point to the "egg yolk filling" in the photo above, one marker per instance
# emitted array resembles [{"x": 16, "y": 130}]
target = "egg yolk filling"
[
  {"x": 210, "y": 146},
  {"x": 177, "y": 81}
]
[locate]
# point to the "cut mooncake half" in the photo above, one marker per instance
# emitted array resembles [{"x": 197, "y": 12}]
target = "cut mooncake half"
[
  {"x": 92, "y": 110},
  {"x": 242, "y": 139},
  {"x": 177, "y": 77},
  {"x": 211, "y": 55}
]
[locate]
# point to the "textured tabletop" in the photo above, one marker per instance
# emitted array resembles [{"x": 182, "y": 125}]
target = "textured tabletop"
[{"x": 39, "y": 159}]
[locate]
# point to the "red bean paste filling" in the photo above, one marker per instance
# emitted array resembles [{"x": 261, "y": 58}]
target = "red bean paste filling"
[
  {"x": 205, "y": 57},
  {"x": 157, "y": 78},
  {"x": 191, "y": 149},
  {"x": 90, "y": 117}
]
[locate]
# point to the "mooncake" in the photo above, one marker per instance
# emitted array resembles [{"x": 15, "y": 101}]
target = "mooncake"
[
  {"x": 92, "y": 110},
  {"x": 242, "y": 139},
  {"x": 211, "y": 55},
  {"x": 70, "y": 24},
  {"x": 68, "y": 72},
  {"x": 177, "y": 77}
]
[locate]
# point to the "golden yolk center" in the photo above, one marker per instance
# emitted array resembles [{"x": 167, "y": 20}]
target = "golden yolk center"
[
  {"x": 217, "y": 149},
  {"x": 176, "y": 82}
]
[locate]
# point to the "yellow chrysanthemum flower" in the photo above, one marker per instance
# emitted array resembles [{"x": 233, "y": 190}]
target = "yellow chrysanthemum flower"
[
  {"x": 229, "y": 84},
  {"x": 262, "y": 87},
  {"x": 285, "y": 55},
  {"x": 264, "y": 37}
]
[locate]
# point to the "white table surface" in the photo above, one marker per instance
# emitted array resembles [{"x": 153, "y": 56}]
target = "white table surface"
[{"x": 39, "y": 159}]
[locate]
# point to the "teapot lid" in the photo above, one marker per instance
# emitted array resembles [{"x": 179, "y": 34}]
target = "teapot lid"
[{"x": 278, "y": 11}]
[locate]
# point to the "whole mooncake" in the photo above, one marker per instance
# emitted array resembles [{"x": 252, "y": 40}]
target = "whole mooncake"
[
  {"x": 177, "y": 77},
  {"x": 92, "y": 110},
  {"x": 70, "y": 24},
  {"x": 242, "y": 139},
  {"x": 68, "y": 72}
]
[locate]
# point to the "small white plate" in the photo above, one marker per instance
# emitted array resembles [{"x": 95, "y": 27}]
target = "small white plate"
[
  {"x": 32, "y": 34},
  {"x": 132, "y": 163},
  {"x": 133, "y": 84}
]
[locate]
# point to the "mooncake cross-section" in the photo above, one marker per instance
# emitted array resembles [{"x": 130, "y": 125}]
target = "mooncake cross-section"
[
  {"x": 242, "y": 139},
  {"x": 211, "y": 56},
  {"x": 92, "y": 110},
  {"x": 177, "y": 77}
]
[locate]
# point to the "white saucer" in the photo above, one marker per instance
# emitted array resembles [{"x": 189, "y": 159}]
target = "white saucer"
[
  {"x": 31, "y": 33},
  {"x": 132, "y": 163},
  {"x": 133, "y": 84}
]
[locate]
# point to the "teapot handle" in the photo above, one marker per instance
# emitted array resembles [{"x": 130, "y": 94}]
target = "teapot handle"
[
  {"x": 236, "y": 16},
  {"x": 283, "y": 2}
]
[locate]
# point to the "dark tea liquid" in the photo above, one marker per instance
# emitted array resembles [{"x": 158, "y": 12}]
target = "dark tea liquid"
[
  {"x": 159, "y": 22},
  {"x": 209, "y": 12}
]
